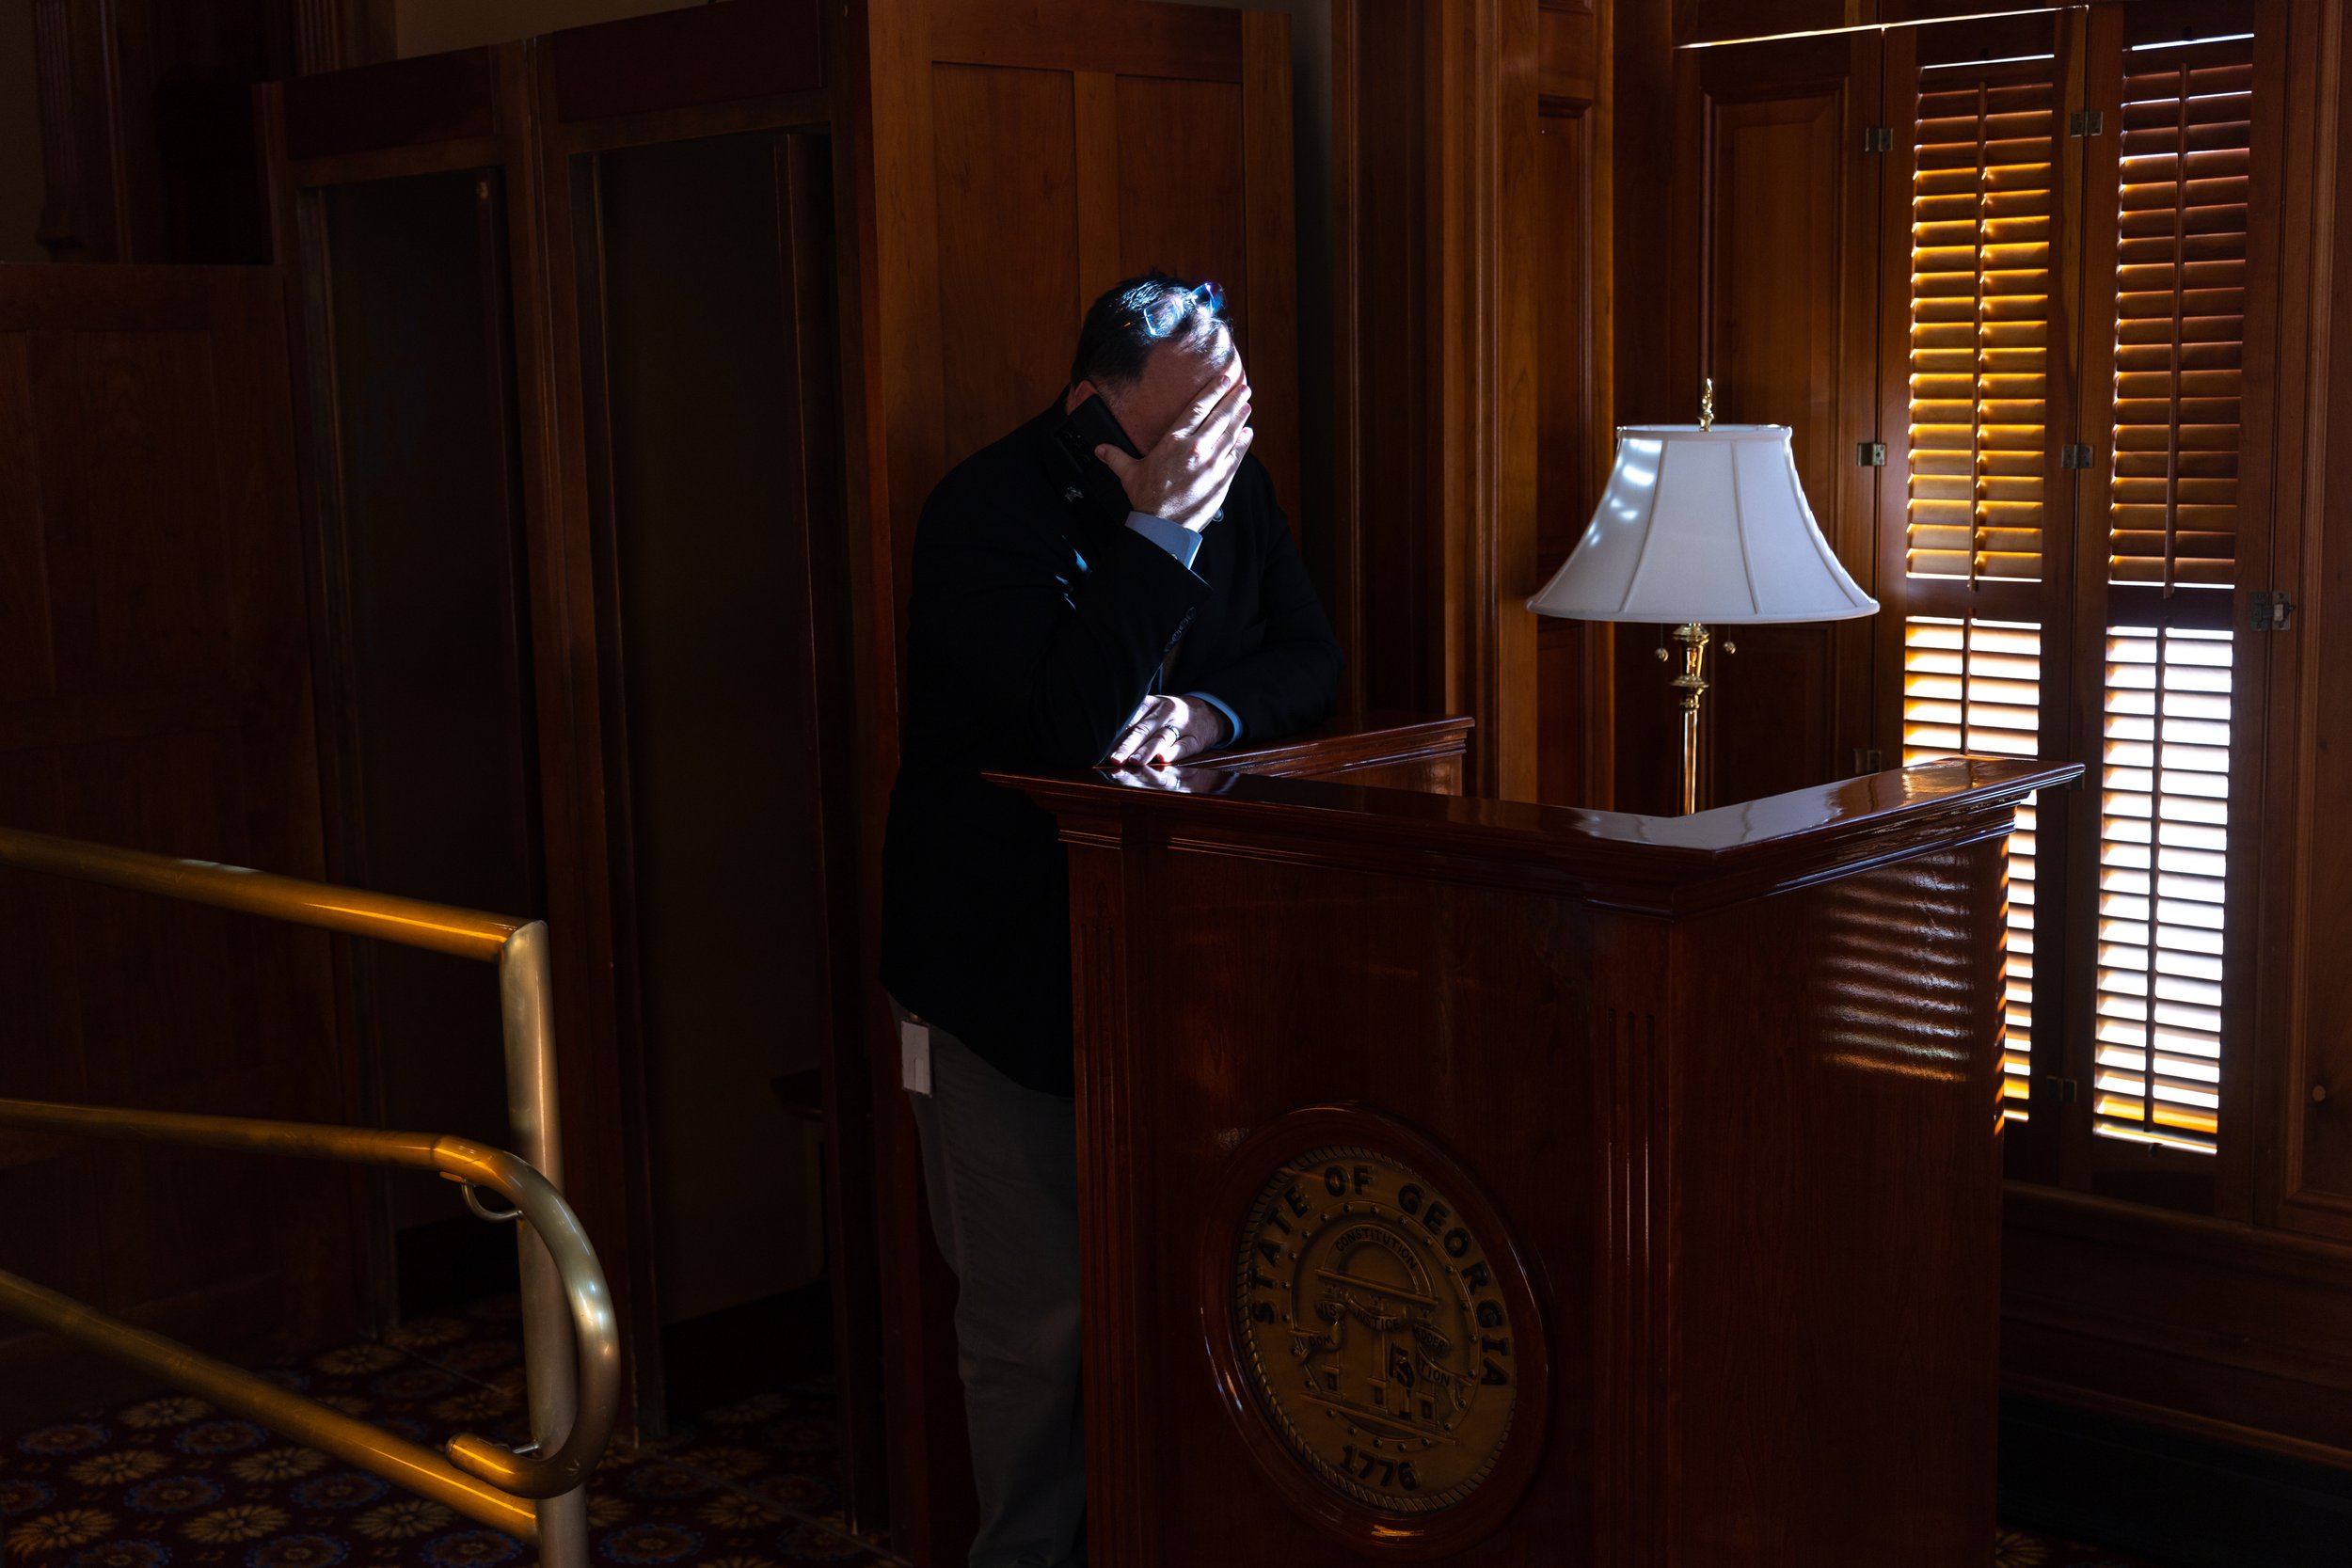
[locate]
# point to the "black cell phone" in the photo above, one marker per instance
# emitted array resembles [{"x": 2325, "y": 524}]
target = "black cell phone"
[{"x": 1090, "y": 425}]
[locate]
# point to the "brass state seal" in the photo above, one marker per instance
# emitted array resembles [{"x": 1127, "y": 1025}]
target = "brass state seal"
[{"x": 1373, "y": 1331}]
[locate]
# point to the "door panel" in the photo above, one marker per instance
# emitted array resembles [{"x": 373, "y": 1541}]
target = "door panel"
[
  {"x": 421, "y": 534},
  {"x": 713, "y": 639},
  {"x": 1006, "y": 323}
]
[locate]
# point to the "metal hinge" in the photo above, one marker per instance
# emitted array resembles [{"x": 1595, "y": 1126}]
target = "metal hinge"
[
  {"x": 2074, "y": 456},
  {"x": 1878, "y": 138},
  {"x": 2086, "y": 122},
  {"x": 1869, "y": 455},
  {"x": 2268, "y": 611},
  {"x": 2061, "y": 1089}
]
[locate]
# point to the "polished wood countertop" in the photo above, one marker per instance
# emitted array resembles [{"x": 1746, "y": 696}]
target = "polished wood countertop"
[{"x": 1667, "y": 865}]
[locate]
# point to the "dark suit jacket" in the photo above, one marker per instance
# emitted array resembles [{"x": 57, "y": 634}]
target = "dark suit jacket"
[{"x": 1038, "y": 626}]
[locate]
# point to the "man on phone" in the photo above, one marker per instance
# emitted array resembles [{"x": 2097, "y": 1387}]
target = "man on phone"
[{"x": 1110, "y": 584}]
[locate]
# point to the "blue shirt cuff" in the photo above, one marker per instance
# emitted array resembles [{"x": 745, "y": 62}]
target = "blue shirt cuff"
[
  {"x": 1176, "y": 539},
  {"x": 1232, "y": 719}
]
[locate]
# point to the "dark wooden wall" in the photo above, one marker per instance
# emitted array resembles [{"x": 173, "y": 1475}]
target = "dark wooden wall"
[
  {"x": 147, "y": 118},
  {"x": 1486, "y": 344},
  {"x": 154, "y": 692}
]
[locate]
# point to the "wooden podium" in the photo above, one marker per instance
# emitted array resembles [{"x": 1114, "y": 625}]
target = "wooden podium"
[{"x": 1496, "y": 1183}]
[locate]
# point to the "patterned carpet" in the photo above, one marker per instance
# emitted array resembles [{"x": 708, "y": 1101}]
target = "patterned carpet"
[
  {"x": 2017, "y": 1549},
  {"x": 170, "y": 1483}
]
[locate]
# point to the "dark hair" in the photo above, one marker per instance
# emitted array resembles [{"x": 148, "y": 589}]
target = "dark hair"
[{"x": 1115, "y": 339}]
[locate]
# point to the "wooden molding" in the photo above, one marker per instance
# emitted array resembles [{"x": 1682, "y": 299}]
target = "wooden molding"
[{"x": 336, "y": 34}]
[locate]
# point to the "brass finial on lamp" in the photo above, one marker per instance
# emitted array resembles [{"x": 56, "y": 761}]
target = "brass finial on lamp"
[{"x": 1702, "y": 524}]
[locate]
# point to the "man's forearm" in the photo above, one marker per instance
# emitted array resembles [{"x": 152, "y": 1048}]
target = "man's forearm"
[{"x": 1099, "y": 664}]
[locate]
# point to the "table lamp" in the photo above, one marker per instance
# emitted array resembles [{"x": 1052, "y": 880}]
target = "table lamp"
[{"x": 1702, "y": 525}]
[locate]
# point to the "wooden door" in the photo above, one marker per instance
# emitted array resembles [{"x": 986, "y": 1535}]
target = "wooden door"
[
  {"x": 711, "y": 441},
  {"x": 1776, "y": 208},
  {"x": 701, "y": 552},
  {"x": 698, "y": 553},
  {"x": 398, "y": 194},
  {"x": 1015, "y": 160},
  {"x": 156, "y": 693}
]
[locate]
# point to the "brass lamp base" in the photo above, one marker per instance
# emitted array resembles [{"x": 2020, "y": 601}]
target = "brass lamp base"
[{"x": 1691, "y": 682}]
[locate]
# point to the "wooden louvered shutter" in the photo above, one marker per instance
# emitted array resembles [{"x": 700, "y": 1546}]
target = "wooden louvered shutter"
[
  {"x": 2180, "y": 306},
  {"x": 2065, "y": 513},
  {"x": 1974, "y": 504},
  {"x": 1973, "y": 687},
  {"x": 1983, "y": 197},
  {"x": 2170, "y": 547}
]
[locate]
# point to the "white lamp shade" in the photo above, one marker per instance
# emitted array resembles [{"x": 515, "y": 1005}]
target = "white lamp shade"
[{"x": 1703, "y": 524}]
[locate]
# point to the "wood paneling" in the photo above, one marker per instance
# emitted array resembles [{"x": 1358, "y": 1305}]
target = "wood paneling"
[
  {"x": 669, "y": 61},
  {"x": 1441, "y": 294},
  {"x": 2233, "y": 1331},
  {"x": 1575, "y": 721},
  {"x": 1386, "y": 552},
  {"x": 1703, "y": 20},
  {"x": 1776, "y": 208},
  {"x": 1005, "y": 329},
  {"x": 1117, "y": 174},
  {"x": 338, "y": 35},
  {"x": 402, "y": 104},
  {"x": 147, "y": 120},
  {"x": 160, "y": 699}
]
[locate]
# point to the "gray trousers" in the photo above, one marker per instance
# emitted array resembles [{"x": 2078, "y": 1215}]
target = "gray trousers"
[{"x": 1000, "y": 1167}]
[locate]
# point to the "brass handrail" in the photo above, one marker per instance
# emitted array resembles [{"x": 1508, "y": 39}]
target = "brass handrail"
[
  {"x": 572, "y": 1405},
  {"x": 411, "y": 922},
  {"x": 543, "y": 1208}
]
